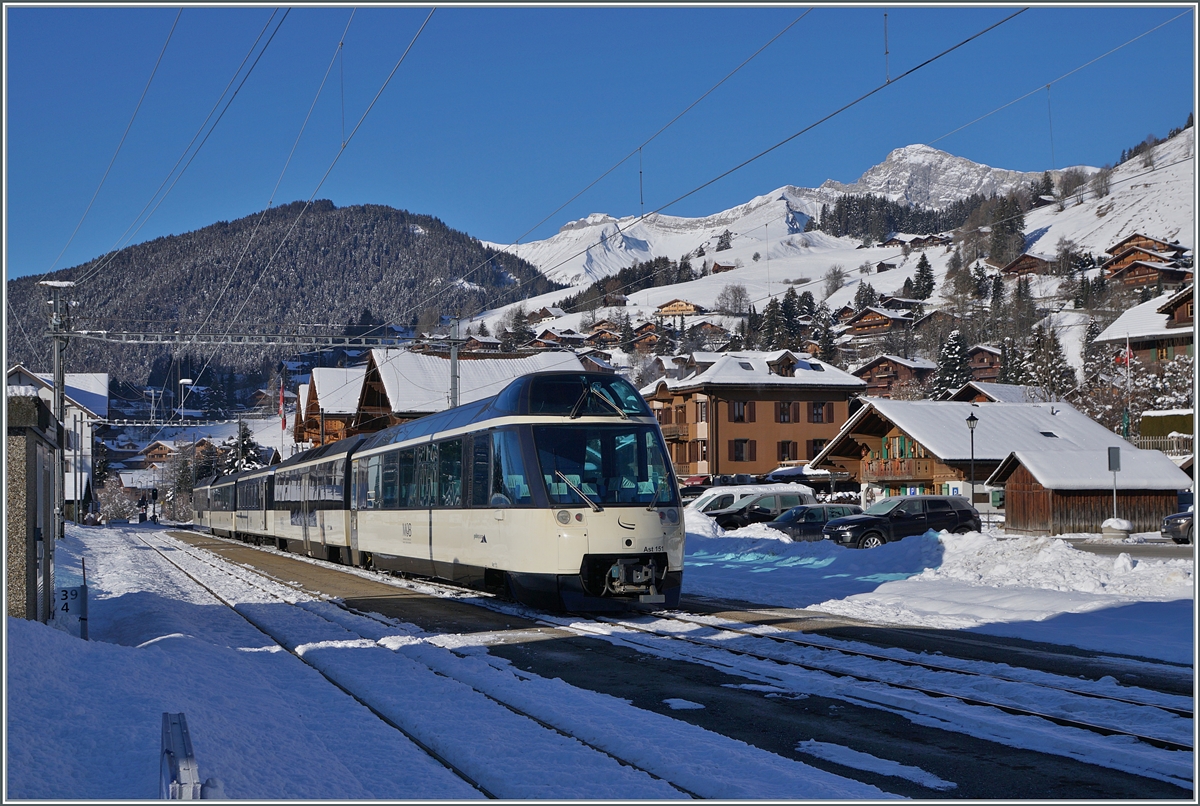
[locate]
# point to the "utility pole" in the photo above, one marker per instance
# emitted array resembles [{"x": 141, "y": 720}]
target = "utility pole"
[
  {"x": 58, "y": 328},
  {"x": 454, "y": 342}
]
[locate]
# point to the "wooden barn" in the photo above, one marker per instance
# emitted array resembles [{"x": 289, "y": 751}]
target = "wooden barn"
[{"x": 1067, "y": 491}]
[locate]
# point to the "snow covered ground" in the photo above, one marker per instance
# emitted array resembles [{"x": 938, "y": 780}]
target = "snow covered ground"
[
  {"x": 83, "y": 718},
  {"x": 1037, "y": 588}
]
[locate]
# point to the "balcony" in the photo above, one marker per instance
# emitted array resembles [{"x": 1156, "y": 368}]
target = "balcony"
[
  {"x": 897, "y": 470},
  {"x": 675, "y": 431},
  {"x": 1179, "y": 445}
]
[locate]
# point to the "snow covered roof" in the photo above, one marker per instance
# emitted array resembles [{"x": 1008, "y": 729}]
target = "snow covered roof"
[
  {"x": 302, "y": 399},
  {"x": 338, "y": 388},
  {"x": 741, "y": 370},
  {"x": 1088, "y": 470},
  {"x": 1001, "y": 428},
  {"x": 86, "y": 390},
  {"x": 417, "y": 382},
  {"x": 1141, "y": 321},
  {"x": 913, "y": 363},
  {"x": 995, "y": 392}
]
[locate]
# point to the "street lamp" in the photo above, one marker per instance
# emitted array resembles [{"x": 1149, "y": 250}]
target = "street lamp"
[{"x": 972, "y": 421}]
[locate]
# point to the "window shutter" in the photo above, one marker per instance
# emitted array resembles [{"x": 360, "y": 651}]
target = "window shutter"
[
  {"x": 729, "y": 411},
  {"x": 750, "y": 452},
  {"x": 781, "y": 452},
  {"x": 750, "y": 412},
  {"x": 829, "y": 412},
  {"x": 731, "y": 450},
  {"x": 778, "y": 407},
  {"x": 809, "y": 405},
  {"x": 794, "y": 454},
  {"x": 808, "y": 449},
  {"x": 796, "y": 412}
]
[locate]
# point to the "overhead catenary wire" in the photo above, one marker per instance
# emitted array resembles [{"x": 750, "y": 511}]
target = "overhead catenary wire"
[
  {"x": 283, "y": 241},
  {"x": 118, "y": 245},
  {"x": 121, "y": 143}
]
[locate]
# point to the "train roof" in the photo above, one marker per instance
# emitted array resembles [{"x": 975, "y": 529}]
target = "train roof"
[
  {"x": 547, "y": 393},
  {"x": 207, "y": 481},
  {"x": 330, "y": 451}
]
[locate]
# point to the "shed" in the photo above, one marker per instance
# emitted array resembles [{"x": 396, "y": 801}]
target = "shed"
[{"x": 1067, "y": 491}]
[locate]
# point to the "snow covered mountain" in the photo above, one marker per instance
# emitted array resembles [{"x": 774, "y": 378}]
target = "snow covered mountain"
[
  {"x": 1154, "y": 196},
  {"x": 600, "y": 245}
]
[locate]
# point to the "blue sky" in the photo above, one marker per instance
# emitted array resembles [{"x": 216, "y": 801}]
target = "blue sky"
[{"x": 500, "y": 115}]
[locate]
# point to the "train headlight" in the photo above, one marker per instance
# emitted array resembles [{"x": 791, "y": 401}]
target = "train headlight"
[{"x": 563, "y": 517}]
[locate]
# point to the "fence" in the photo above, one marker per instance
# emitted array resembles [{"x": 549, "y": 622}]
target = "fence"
[{"x": 1178, "y": 445}]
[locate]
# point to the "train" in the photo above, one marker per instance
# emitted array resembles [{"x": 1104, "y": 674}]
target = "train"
[{"x": 557, "y": 491}]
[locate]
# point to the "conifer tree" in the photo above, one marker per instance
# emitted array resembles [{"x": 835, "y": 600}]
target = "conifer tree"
[
  {"x": 923, "y": 281},
  {"x": 823, "y": 330},
  {"x": 1048, "y": 366},
  {"x": 789, "y": 316},
  {"x": 907, "y": 290},
  {"x": 626, "y": 332},
  {"x": 242, "y": 451},
  {"x": 865, "y": 296},
  {"x": 770, "y": 332},
  {"x": 954, "y": 367},
  {"x": 807, "y": 304},
  {"x": 483, "y": 329}
]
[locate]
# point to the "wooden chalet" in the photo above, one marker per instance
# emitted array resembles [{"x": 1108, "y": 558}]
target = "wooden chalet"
[
  {"x": 910, "y": 447},
  {"x": 984, "y": 360},
  {"x": 481, "y": 344},
  {"x": 614, "y": 300},
  {"x": 602, "y": 338},
  {"x": 331, "y": 402},
  {"x": 1143, "y": 273},
  {"x": 844, "y": 314},
  {"x": 990, "y": 392},
  {"x": 883, "y": 266},
  {"x": 1026, "y": 264},
  {"x": 873, "y": 323},
  {"x": 679, "y": 307},
  {"x": 605, "y": 324},
  {"x": 551, "y": 338},
  {"x": 1050, "y": 492},
  {"x": 543, "y": 315},
  {"x": 717, "y": 268},
  {"x": 644, "y": 328},
  {"x": 884, "y": 372},
  {"x": 645, "y": 342},
  {"x": 1148, "y": 243},
  {"x": 899, "y": 303},
  {"x": 1154, "y": 331}
]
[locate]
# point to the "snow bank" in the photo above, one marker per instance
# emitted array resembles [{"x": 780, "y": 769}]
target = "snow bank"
[{"x": 1032, "y": 587}]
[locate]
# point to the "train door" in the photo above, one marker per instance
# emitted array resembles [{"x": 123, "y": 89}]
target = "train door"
[
  {"x": 309, "y": 488},
  {"x": 358, "y": 475},
  {"x": 426, "y": 477}
]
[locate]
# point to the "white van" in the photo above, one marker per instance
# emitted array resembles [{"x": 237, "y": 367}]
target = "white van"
[{"x": 720, "y": 498}]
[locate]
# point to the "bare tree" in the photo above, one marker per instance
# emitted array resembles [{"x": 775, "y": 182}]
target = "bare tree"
[
  {"x": 834, "y": 279},
  {"x": 733, "y": 299}
]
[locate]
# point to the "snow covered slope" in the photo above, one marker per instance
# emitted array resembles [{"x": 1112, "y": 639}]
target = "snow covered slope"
[{"x": 600, "y": 245}]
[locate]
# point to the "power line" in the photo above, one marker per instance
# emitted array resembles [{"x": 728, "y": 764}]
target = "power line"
[
  {"x": 116, "y": 248},
  {"x": 121, "y": 143}
]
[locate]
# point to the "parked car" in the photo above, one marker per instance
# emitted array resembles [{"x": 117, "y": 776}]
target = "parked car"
[
  {"x": 692, "y": 491},
  {"x": 806, "y": 521},
  {"x": 761, "y": 507},
  {"x": 1178, "y": 527},
  {"x": 903, "y": 515},
  {"x": 722, "y": 498},
  {"x": 733, "y": 480}
]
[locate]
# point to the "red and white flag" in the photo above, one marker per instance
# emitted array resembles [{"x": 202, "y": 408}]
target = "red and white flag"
[{"x": 282, "y": 413}]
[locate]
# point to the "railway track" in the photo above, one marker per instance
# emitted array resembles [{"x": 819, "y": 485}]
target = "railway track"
[
  {"x": 449, "y": 760},
  {"x": 904, "y": 682},
  {"x": 829, "y": 661}
]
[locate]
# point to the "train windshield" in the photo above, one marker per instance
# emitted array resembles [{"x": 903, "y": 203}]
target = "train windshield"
[
  {"x": 609, "y": 464},
  {"x": 583, "y": 395}
]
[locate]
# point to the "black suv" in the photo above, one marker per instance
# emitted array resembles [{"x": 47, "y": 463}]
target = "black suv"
[
  {"x": 806, "y": 521},
  {"x": 901, "y": 516}
]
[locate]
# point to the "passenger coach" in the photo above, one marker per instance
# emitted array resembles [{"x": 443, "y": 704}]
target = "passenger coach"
[{"x": 557, "y": 490}]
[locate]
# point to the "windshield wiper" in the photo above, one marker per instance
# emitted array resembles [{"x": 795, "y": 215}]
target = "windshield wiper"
[
  {"x": 654, "y": 500},
  {"x": 595, "y": 507},
  {"x": 589, "y": 391}
]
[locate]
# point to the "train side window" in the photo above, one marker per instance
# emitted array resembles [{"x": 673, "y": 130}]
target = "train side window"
[
  {"x": 450, "y": 473},
  {"x": 405, "y": 478},
  {"x": 374, "y": 483},
  {"x": 390, "y": 493},
  {"x": 510, "y": 487},
  {"x": 481, "y": 465}
]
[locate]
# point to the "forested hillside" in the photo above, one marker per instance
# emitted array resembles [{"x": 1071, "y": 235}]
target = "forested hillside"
[{"x": 338, "y": 266}]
